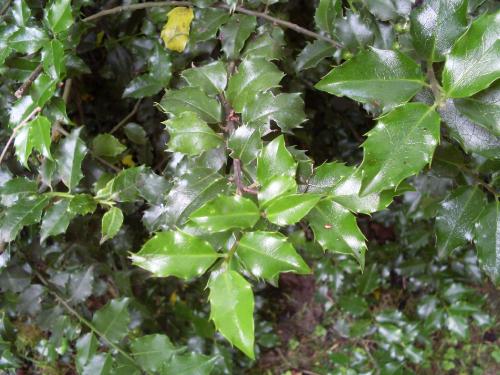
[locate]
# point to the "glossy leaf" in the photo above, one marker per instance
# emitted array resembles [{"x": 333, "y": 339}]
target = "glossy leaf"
[
  {"x": 86, "y": 348},
  {"x": 56, "y": 220},
  {"x": 190, "y": 364},
  {"x": 436, "y": 25},
  {"x": 112, "y": 221},
  {"x": 192, "y": 99},
  {"x": 312, "y": 54},
  {"x": 143, "y": 85},
  {"x": 58, "y": 15},
  {"x": 113, "y": 319},
  {"x": 211, "y": 78},
  {"x": 245, "y": 143},
  {"x": 399, "y": 146},
  {"x": 123, "y": 187},
  {"x": 335, "y": 229},
  {"x": 234, "y": 34},
  {"x": 71, "y": 153},
  {"x": 207, "y": 23},
  {"x": 34, "y": 135},
  {"x": 26, "y": 211},
  {"x": 474, "y": 61},
  {"x": 269, "y": 44},
  {"x": 53, "y": 59},
  {"x": 456, "y": 218},
  {"x": 289, "y": 209},
  {"x": 275, "y": 160},
  {"x": 483, "y": 108},
  {"x": 380, "y": 77},
  {"x": 325, "y": 15},
  {"x": 107, "y": 145},
  {"x": 267, "y": 254},
  {"x": 175, "y": 253},
  {"x": 152, "y": 351},
  {"x": 487, "y": 240},
  {"x": 99, "y": 364},
  {"x": 28, "y": 39},
  {"x": 232, "y": 304},
  {"x": 226, "y": 212},
  {"x": 287, "y": 110},
  {"x": 254, "y": 75},
  {"x": 175, "y": 33},
  {"x": 190, "y": 135},
  {"x": 20, "y": 12},
  {"x": 276, "y": 187}
]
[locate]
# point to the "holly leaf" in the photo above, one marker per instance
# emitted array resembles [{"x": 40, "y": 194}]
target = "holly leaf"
[
  {"x": 192, "y": 99},
  {"x": 287, "y": 110},
  {"x": 20, "y": 12},
  {"x": 28, "y": 40},
  {"x": 56, "y": 220},
  {"x": 113, "y": 319},
  {"x": 86, "y": 347},
  {"x": 232, "y": 304},
  {"x": 326, "y": 13},
  {"x": 189, "y": 364},
  {"x": 207, "y": 23},
  {"x": 211, "y": 78},
  {"x": 245, "y": 143},
  {"x": 312, "y": 54},
  {"x": 112, "y": 221},
  {"x": 234, "y": 34},
  {"x": 269, "y": 44},
  {"x": 226, "y": 212},
  {"x": 58, "y": 15},
  {"x": 143, "y": 85},
  {"x": 276, "y": 187},
  {"x": 267, "y": 254},
  {"x": 436, "y": 25},
  {"x": 473, "y": 63},
  {"x": 254, "y": 75},
  {"x": 53, "y": 59},
  {"x": 152, "y": 351},
  {"x": 483, "y": 108},
  {"x": 382, "y": 78},
  {"x": 124, "y": 187},
  {"x": 335, "y": 229},
  {"x": 71, "y": 153},
  {"x": 175, "y": 33},
  {"x": 275, "y": 160},
  {"x": 487, "y": 240},
  {"x": 290, "y": 208},
  {"x": 107, "y": 145},
  {"x": 399, "y": 146},
  {"x": 34, "y": 135},
  {"x": 175, "y": 253},
  {"x": 190, "y": 135},
  {"x": 456, "y": 218}
]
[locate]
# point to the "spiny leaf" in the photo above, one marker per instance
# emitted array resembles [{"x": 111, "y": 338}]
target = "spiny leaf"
[
  {"x": 72, "y": 151},
  {"x": 275, "y": 160},
  {"x": 113, "y": 319},
  {"x": 290, "y": 208},
  {"x": 211, "y": 78},
  {"x": 487, "y": 240}
]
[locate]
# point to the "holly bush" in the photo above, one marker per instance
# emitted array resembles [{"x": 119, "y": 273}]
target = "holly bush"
[{"x": 183, "y": 189}]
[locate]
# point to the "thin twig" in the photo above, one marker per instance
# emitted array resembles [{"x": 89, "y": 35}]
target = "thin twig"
[
  {"x": 277, "y": 21},
  {"x": 127, "y": 117},
  {"x": 435, "y": 87},
  {"x": 16, "y": 129},
  {"x": 27, "y": 84},
  {"x": 5, "y": 7},
  {"x": 237, "y": 176},
  {"x": 82, "y": 319}
]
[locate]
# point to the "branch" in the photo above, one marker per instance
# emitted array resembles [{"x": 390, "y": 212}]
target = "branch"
[
  {"x": 27, "y": 84},
  {"x": 127, "y": 117},
  {"x": 277, "y": 21},
  {"x": 16, "y": 129}
]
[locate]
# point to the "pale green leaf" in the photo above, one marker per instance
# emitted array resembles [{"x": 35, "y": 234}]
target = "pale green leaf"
[
  {"x": 289, "y": 209},
  {"x": 245, "y": 143},
  {"x": 113, "y": 319},
  {"x": 56, "y": 220},
  {"x": 107, "y": 145},
  {"x": 192, "y": 99},
  {"x": 487, "y": 240},
  {"x": 112, "y": 221},
  {"x": 189, "y": 364},
  {"x": 58, "y": 15},
  {"x": 276, "y": 187},
  {"x": 72, "y": 151},
  {"x": 275, "y": 160},
  {"x": 26, "y": 211},
  {"x": 152, "y": 351},
  {"x": 211, "y": 78}
]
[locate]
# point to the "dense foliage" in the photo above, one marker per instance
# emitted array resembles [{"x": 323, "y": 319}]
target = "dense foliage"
[{"x": 281, "y": 186}]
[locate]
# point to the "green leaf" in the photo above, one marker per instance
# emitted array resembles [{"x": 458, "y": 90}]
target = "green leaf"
[
  {"x": 232, "y": 304},
  {"x": 86, "y": 347},
  {"x": 143, "y": 85},
  {"x": 58, "y": 15},
  {"x": 43, "y": 89},
  {"x": 289, "y": 209},
  {"x": 436, "y": 25},
  {"x": 113, "y": 319},
  {"x": 206, "y": 24},
  {"x": 20, "y": 12},
  {"x": 23, "y": 145},
  {"x": 28, "y": 40},
  {"x": 53, "y": 59},
  {"x": 123, "y": 187},
  {"x": 245, "y": 143},
  {"x": 152, "y": 351},
  {"x": 175, "y": 253},
  {"x": 473, "y": 63},
  {"x": 211, "y": 78},
  {"x": 189, "y": 364},
  {"x": 112, "y": 221},
  {"x": 276, "y": 187},
  {"x": 399, "y": 146},
  {"x": 192, "y": 99},
  {"x": 254, "y": 75},
  {"x": 380, "y": 77},
  {"x": 487, "y": 240},
  {"x": 26, "y": 211},
  {"x": 312, "y": 54},
  {"x": 190, "y": 135},
  {"x": 136, "y": 133},
  {"x": 335, "y": 229},
  {"x": 234, "y": 34},
  {"x": 99, "y": 364},
  {"x": 226, "y": 212},
  {"x": 287, "y": 110},
  {"x": 107, "y": 145},
  {"x": 13, "y": 189},
  {"x": 56, "y": 220},
  {"x": 326, "y": 13},
  {"x": 275, "y": 160},
  {"x": 71, "y": 153},
  {"x": 456, "y": 218},
  {"x": 269, "y": 45},
  {"x": 483, "y": 108},
  {"x": 267, "y": 254},
  {"x": 353, "y": 31},
  {"x": 386, "y": 10},
  {"x": 472, "y": 137}
]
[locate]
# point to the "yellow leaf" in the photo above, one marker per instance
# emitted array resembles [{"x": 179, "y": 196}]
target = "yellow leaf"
[
  {"x": 128, "y": 161},
  {"x": 175, "y": 33}
]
